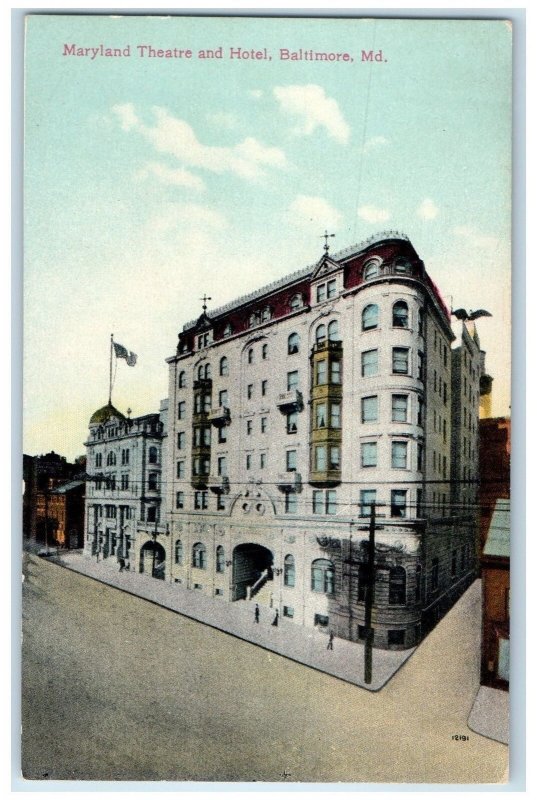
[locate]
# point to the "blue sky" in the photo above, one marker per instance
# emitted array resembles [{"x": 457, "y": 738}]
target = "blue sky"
[{"x": 151, "y": 181}]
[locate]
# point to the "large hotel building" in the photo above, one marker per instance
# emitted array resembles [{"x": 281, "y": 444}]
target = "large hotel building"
[{"x": 290, "y": 413}]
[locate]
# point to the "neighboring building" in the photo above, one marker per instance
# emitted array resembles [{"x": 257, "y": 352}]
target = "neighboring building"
[
  {"x": 494, "y": 468},
  {"x": 496, "y": 588},
  {"x": 66, "y": 514},
  {"x": 123, "y": 494},
  {"x": 296, "y": 408},
  {"x": 41, "y": 476}
]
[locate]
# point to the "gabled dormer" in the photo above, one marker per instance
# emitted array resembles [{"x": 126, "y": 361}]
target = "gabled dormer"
[
  {"x": 203, "y": 331},
  {"x": 326, "y": 280}
]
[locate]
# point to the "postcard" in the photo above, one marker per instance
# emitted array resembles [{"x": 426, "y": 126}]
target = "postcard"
[{"x": 266, "y": 515}]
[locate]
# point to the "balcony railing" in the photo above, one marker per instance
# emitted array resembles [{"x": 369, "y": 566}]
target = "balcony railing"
[
  {"x": 290, "y": 401},
  {"x": 290, "y": 481},
  {"x": 218, "y": 483},
  {"x": 220, "y": 416}
]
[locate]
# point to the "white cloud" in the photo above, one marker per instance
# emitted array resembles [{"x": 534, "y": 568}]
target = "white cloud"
[
  {"x": 427, "y": 209},
  {"x": 127, "y": 115},
  {"x": 475, "y": 237},
  {"x": 375, "y": 142},
  {"x": 373, "y": 214},
  {"x": 306, "y": 210},
  {"x": 223, "y": 120},
  {"x": 314, "y": 109},
  {"x": 168, "y": 175},
  {"x": 176, "y": 137}
]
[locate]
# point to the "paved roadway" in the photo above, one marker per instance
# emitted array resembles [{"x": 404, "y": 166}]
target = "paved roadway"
[{"x": 116, "y": 688}]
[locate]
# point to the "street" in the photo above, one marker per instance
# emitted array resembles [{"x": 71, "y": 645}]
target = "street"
[{"x": 116, "y": 688}]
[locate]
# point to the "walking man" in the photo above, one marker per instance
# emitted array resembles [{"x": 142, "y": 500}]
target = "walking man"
[
  {"x": 275, "y": 620},
  {"x": 256, "y": 613},
  {"x": 330, "y": 645}
]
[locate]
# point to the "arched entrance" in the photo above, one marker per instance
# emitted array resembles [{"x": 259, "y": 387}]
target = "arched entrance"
[
  {"x": 152, "y": 560},
  {"x": 250, "y": 563}
]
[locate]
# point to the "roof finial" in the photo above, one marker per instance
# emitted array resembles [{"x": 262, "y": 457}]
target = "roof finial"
[
  {"x": 205, "y": 298},
  {"x": 326, "y": 236}
]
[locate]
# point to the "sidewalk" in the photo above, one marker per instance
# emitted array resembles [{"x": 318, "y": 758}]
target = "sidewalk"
[
  {"x": 304, "y": 645},
  {"x": 490, "y": 714}
]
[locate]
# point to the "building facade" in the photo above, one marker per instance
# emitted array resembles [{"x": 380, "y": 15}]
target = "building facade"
[
  {"x": 124, "y": 488},
  {"x": 292, "y": 412},
  {"x": 495, "y": 562}
]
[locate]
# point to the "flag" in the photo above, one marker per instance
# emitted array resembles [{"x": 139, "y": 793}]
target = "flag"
[{"x": 122, "y": 352}]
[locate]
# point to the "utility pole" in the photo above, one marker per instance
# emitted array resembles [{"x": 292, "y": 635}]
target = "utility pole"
[{"x": 369, "y": 599}]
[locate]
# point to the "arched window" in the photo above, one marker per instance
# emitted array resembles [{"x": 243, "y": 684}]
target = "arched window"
[
  {"x": 251, "y": 355},
  {"x": 371, "y": 270},
  {"x": 181, "y": 382},
  {"x": 289, "y": 571},
  {"x": 111, "y": 460},
  {"x": 199, "y": 556},
  {"x": 370, "y": 317},
  {"x": 400, "y": 314},
  {"x": 153, "y": 455},
  {"x": 320, "y": 334},
  {"x": 296, "y": 302},
  {"x": 207, "y": 371},
  {"x": 220, "y": 561},
  {"x": 293, "y": 343},
  {"x": 224, "y": 366},
  {"x": 322, "y": 576},
  {"x": 333, "y": 331},
  {"x": 179, "y": 552},
  {"x": 397, "y": 593}
]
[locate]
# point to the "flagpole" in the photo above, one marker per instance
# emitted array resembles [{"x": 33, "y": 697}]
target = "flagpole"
[{"x": 110, "y": 385}]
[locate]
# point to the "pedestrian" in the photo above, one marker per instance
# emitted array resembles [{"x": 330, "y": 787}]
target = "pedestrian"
[
  {"x": 121, "y": 564},
  {"x": 275, "y": 620},
  {"x": 256, "y": 613},
  {"x": 330, "y": 645}
]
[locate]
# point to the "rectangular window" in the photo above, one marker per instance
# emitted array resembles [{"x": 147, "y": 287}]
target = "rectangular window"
[
  {"x": 179, "y": 499},
  {"x": 151, "y": 514},
  {"x": 335, "y": 372},
  {"x": 419, "y": 502},
  {"x": 321, "y": 620},
  {"x": 398, "y": 503},
  {"x": 223, "y": 398},
  {"x": 264, "y": 388},
  {"x": 421, "y": 366},
  {"x": 220, "y": 503},
  {"x": 400, "y": 362},
  {"x": 370, "y": 363},
  {"x": 264, "y": 351},
  {"x": 292, "y": 422},
  {"x": 248, "y": 427},
  {"x": 200, "y": 500},
  {"x": 250, "y": 391},
  {"x": 321, "y": 292},
  {"x": 318, "y": 501},
  {"x": 262, "y": 460},
  {"x": 444, "y": 467},
  {"x": 222, "y": 466},
  {"x": 331, "y": 287},
  {"x": 292, "y": 380},
  {"x": 288, "y": 611},
  {"x": 399, "y": 407},
  {"x": 181, "y": 409},
  {"x": 420, "y": 457},
  {"x": 335, "y": 462},
  {"x": 399, "y": 455},
  {"x": 181, "y": 440},
  {"x": 290, "y": 460},
  {"x": 263, "y": 424},
  {"x": 368, "y": 454},
  {"x": 180, "y": 469},
  {"x": 320, "y": 458},
  {"x": 222, "y": 434},
  {"x": 370, "y": 409},
  {"x": 124, "y": 481},
  {"x": 124, "y": 457},
  {"x": 290, "y": 503},
  {"x": 420, "y": 412},
  {"x": 320, "y": 415},
  {"x": 248, "y": 462},
  {"x": 320, "y": 372},
  {"x": 335, "y": 415},
  {"x": 331, "y": 501},
  {"x": 367, "y": 498}
]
